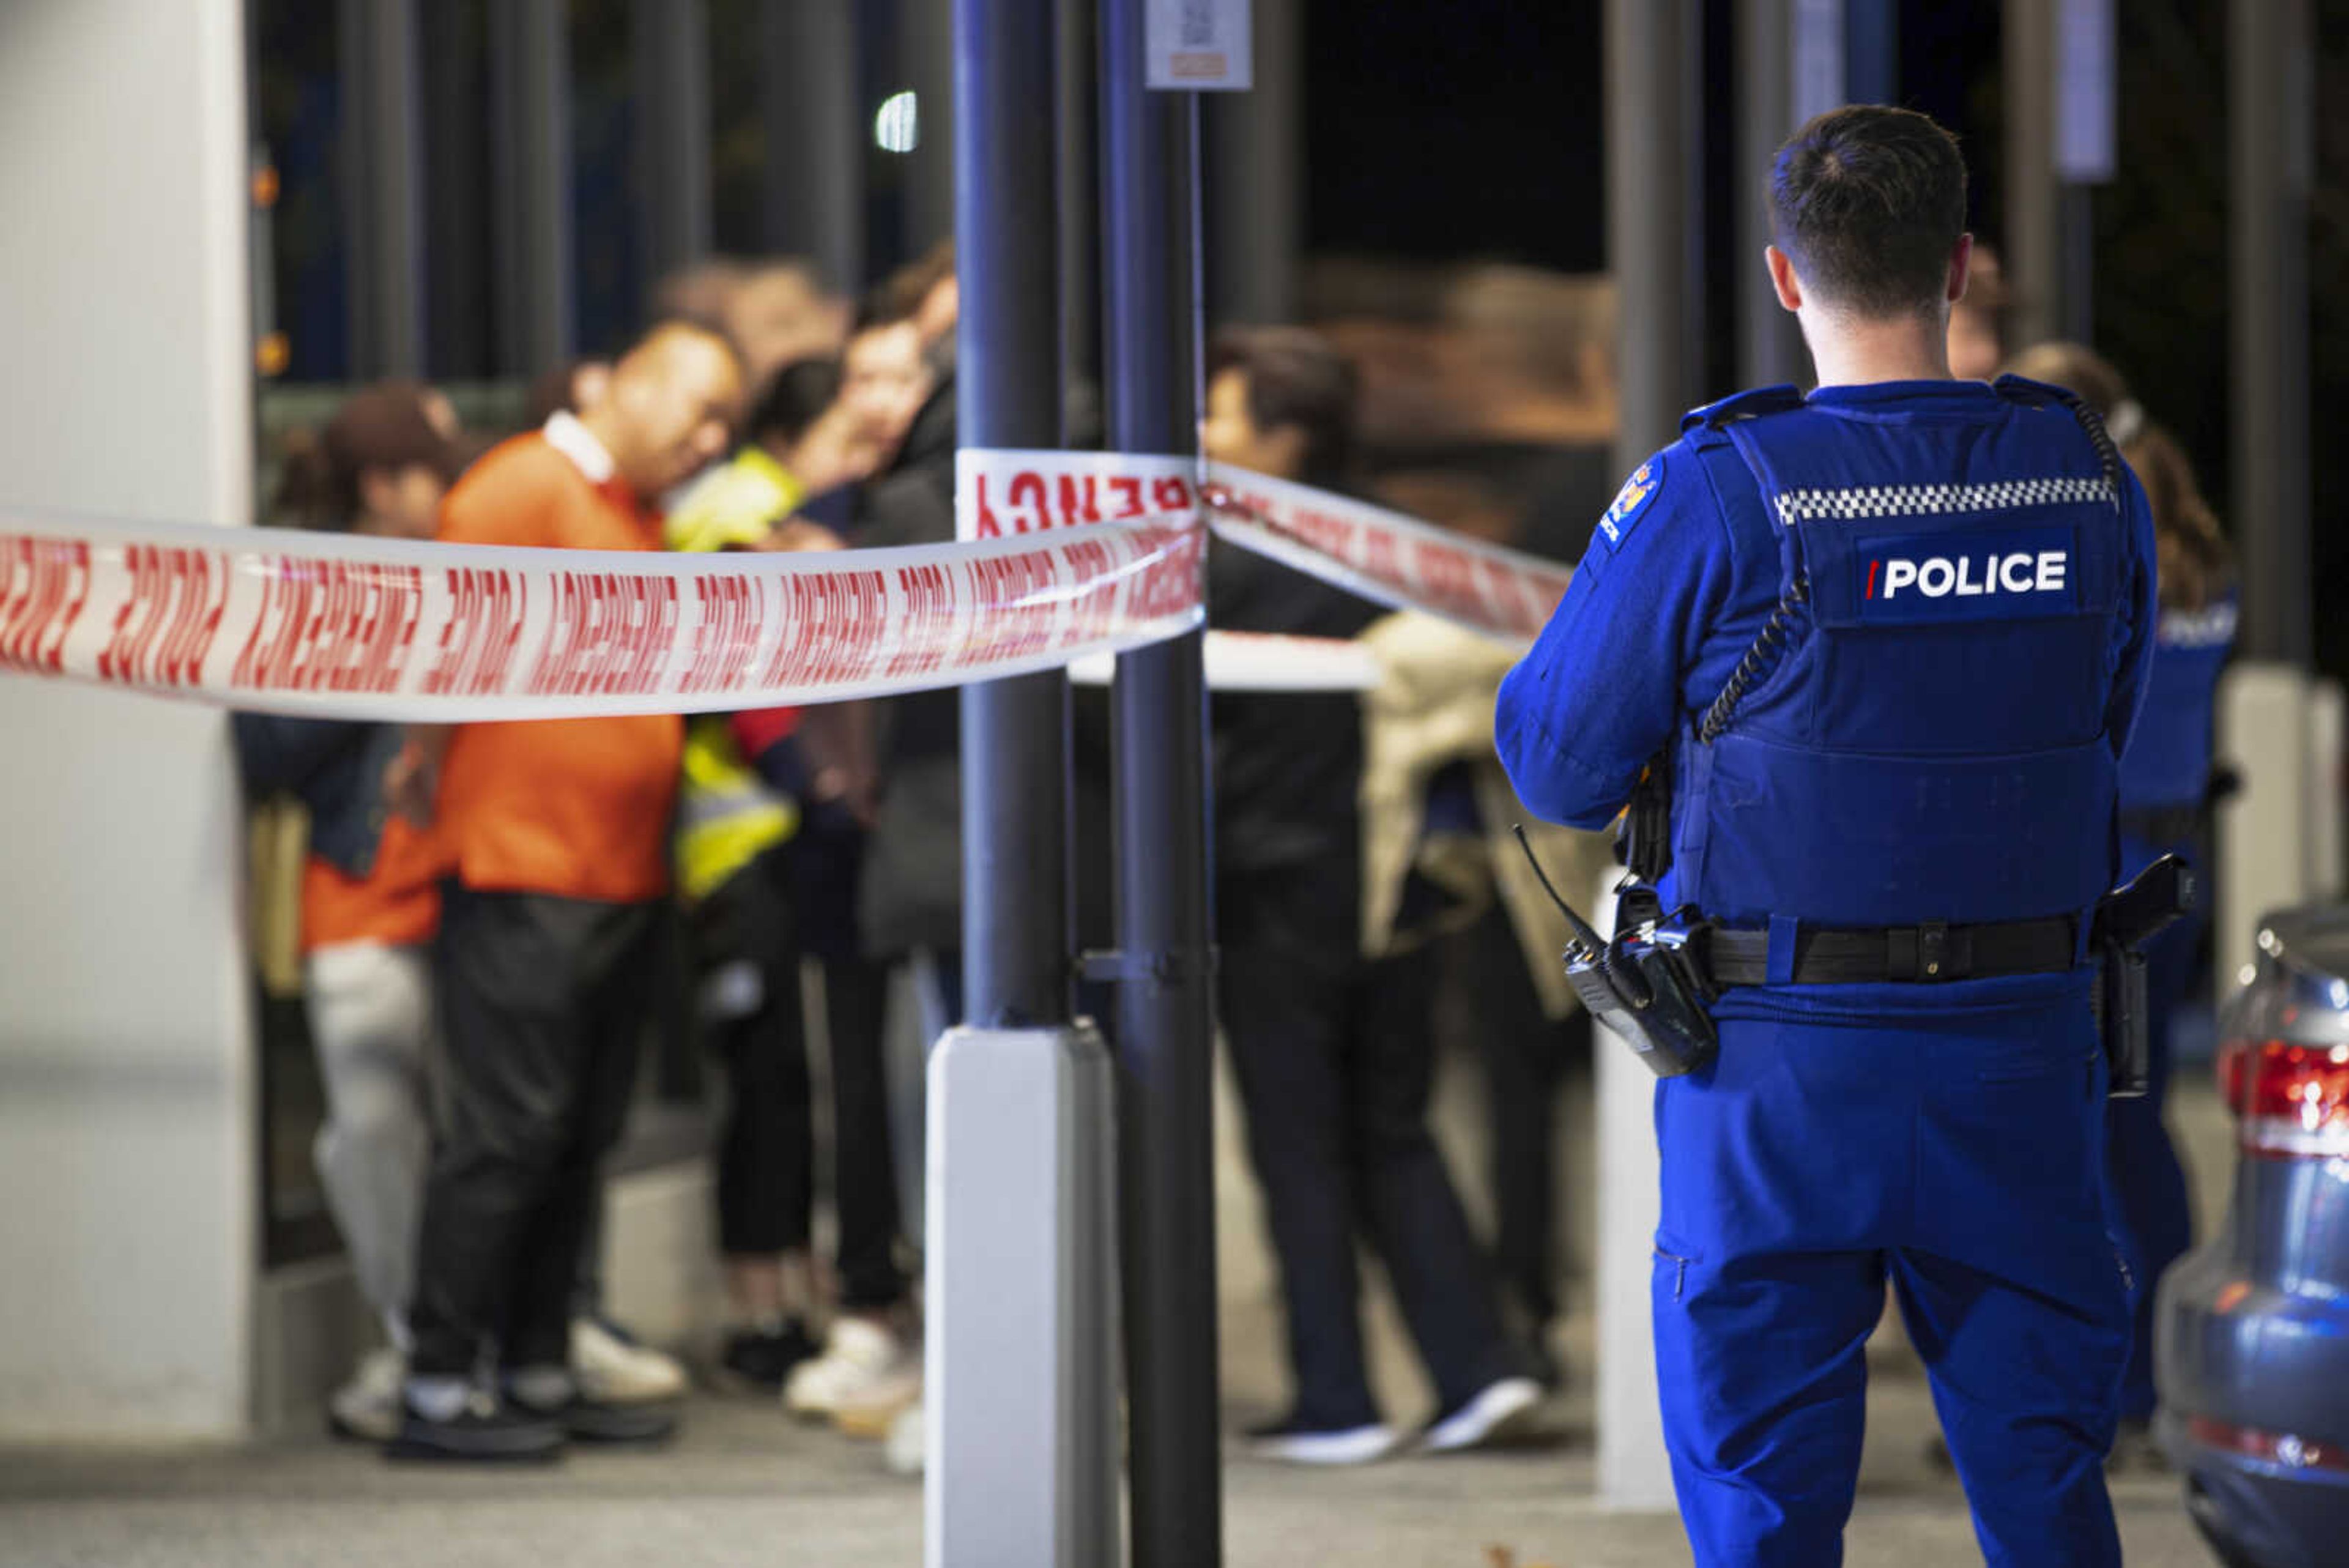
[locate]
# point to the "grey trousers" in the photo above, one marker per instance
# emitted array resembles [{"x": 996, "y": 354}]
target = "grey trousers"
[{"x": 371, "y": 1022}]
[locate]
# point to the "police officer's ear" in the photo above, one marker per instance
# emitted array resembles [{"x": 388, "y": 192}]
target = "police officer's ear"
[
  {"x": 1782, "y": 278},
  {"x": 1962, "y": 263}
]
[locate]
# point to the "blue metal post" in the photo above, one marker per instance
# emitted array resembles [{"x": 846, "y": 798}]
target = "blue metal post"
[
  {"x": 1014, "y": 807},
  {"x": 1165, "y": 1009}
]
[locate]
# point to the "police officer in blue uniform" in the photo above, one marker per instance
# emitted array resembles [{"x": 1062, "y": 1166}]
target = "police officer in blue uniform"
[
  {"x": 1886, "y": 644},
  {"x": 2166, "y": 793}
]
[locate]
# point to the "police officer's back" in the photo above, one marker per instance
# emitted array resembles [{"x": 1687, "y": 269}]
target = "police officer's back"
[{"x": 1886, "y": 643}]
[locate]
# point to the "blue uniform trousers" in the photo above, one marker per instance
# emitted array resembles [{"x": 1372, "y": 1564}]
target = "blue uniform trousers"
[{"x": 1951, "y": 1142}]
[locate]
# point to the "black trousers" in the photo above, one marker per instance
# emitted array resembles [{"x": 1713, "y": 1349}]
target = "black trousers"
[
  {"x": 543, "y": 1007},
  {"x": 1335, "y": 1062},
  {"x": 1526, "y": 1054},
  {"x": 766, "y": 1156}
]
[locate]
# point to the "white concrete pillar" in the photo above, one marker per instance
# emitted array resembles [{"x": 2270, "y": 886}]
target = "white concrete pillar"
[
  {"x": 1020, "y": 1363},
  {"x": 127, "y": 1146},
  {"x": 1633, "y": 1473}
]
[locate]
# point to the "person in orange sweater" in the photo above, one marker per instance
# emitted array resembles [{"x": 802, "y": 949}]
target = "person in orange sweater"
[
  {"x": 555, "y": 836},
  {"x": 370, "y": 899}
]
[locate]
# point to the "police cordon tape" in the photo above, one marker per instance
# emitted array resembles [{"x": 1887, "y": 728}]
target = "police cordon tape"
[
  {"x": 1368, "y": 550},
  {"x": 1086, "y": 555},
  {"x": 368, "y": 628}
]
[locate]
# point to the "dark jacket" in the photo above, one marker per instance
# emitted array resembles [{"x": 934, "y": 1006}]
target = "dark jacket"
[
  {"x": 911, "y": 895},
  {"x": 912, "y": 891},
  {"x": 335, "y": 767},
  {"x": 1288, "y": 765}
]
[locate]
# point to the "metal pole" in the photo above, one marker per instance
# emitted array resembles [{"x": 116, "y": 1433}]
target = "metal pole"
[
  {"x": 934, "y": 189},
  {"x": 1164, "y": 1007},
  {"x": 1651, "y": 152},
  {"x": 671, "y": 39},
  {"x": 1770, "y": 340},
  {"x": 1014, "y": 732},
  {"x": 2033, "y": 240},
  {"x": 814, "y": 199},
  {"x": 2271, "y": 148},
  {"x": 1079, "y": 173},
  {"x": 530, "y": 103},
  {"x": 1651, "y": 180},
  {"x": 1871, "y": 51},
  {"x": 1256, "y": 156},
  {"x": 383, "y": 148}
]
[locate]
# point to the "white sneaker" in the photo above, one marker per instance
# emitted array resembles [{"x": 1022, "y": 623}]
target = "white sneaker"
[
  {"x": 1324, "y": 1446},
  {"x": 613, "y": 1369},
  {"x": 861, "y": 1359},
  {"x": 905, "y": 1452},
  {"x": 1501, "y": 1411},
  {"x": 367, "y": 1408}
]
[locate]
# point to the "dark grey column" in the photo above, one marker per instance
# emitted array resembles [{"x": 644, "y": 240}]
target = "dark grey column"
[
  {"x": 1255, "y": 190},
  {"x": 1078, "y": 183},
  {"x": 2034, "y": 238},
  {"x": 1652, "y": 184},
  {"x": 926, "y": 40},
  {"x": 1770, "y": 340},
  {"x": 383, "y": 161},
  {"x": 2271, "y": 152},
  {"x": 671, "y": 43},
  {"x": 530, "y": 162},
  {"x": 814, "y": 128}
]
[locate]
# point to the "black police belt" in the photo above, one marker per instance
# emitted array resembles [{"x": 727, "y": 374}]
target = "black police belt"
[
  {"x": 2167, "y": 825},
  {"x": 1929, "y": 953}
]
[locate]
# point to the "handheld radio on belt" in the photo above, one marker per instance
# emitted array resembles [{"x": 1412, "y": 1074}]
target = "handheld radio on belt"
[{"x": 1643, "y": 985}]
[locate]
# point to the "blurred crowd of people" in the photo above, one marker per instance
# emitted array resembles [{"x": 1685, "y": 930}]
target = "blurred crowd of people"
[{"x": 481, "y": 907}]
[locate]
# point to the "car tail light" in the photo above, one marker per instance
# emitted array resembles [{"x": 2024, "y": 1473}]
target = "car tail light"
[
  {"x": 2274, "y": 1448},
  {"x": 2288, "y": 1100}
]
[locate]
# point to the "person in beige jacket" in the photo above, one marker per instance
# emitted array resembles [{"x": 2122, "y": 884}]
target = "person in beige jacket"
[{"x": 1438, "y": 812}]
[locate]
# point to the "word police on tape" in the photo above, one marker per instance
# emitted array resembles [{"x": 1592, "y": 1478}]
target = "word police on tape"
[{"x": 362, "y": 628}]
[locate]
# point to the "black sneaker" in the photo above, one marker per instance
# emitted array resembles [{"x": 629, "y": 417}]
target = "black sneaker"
[
  {"x": 485, "y": 1432},
  {"x": 762, "y": 1362},
  {"x": 601, "y": 1421}
]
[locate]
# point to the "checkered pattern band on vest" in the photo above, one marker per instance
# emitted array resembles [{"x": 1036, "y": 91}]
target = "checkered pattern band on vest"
[{"x": 1863, "y": 502}]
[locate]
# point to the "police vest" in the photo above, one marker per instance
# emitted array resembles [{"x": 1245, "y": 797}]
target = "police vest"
[
  {"x": 1925, "y": 739},
  {"x": 2167, "y": 765}
]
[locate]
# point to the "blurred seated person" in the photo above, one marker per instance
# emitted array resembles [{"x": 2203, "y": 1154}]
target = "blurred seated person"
[{"x": 370, "y": 897}]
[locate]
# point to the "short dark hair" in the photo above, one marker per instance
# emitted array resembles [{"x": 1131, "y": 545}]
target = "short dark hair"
[
  {"x": 1869, "y": 201},
  {"x": 1295, "y": 376},
  {"x": 898, "y": 297},
  {"x": 796, "y": 396}
]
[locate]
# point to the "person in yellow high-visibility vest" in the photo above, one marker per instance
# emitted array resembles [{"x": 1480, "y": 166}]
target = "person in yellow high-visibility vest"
[{"x": 769, "y": 831}]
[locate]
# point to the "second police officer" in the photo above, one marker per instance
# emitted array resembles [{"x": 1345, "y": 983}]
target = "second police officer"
[{"x": 1887, "y": 643}]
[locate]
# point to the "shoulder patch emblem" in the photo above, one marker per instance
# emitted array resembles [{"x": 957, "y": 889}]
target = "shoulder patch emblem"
[{"x": 1632, "y": 499}]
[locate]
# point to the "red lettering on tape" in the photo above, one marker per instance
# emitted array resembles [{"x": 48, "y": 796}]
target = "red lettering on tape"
[
  {"x": 163, "y": 631},
  {"x": 44, "y": 587},
  {"x": 927, "y": 626},
  {"x": 490, "y": 608}
]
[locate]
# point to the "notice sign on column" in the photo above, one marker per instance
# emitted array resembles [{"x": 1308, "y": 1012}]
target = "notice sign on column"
[{"x": 1200, "y": 46}]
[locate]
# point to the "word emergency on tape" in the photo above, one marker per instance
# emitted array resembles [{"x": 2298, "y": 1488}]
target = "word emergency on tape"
[
  {"x": 353, "y": 627},
  {"x": 1380, "y": 554}
]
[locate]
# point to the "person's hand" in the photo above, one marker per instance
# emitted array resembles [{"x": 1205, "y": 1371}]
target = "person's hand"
[
  {"x": 834, "y": 451},
  {"x": 412, "y": 778},
  {"x": 797, "y": 534}
]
